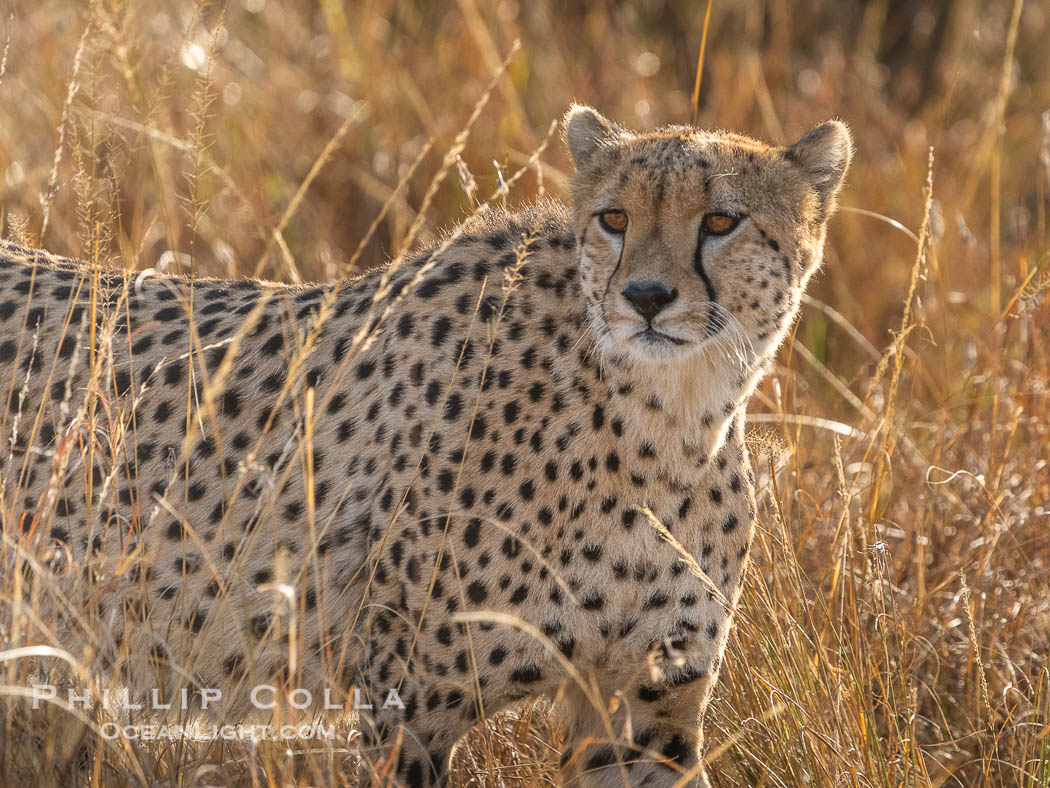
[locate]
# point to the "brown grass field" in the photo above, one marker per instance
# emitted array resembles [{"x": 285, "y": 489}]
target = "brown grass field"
[{"x": 895, "y": 624}]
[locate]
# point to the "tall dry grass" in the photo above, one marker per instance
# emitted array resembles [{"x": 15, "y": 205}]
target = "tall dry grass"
[{"x": 895, "y": 628}]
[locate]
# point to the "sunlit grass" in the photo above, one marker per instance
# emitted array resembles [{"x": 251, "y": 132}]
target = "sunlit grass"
[{"x": 895, "y": 626}]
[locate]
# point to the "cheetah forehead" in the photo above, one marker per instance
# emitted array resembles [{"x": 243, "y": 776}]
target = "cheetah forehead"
[{"x": 682, "y": 170}]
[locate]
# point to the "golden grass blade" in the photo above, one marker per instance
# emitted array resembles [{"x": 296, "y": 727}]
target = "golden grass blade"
[{"x": 700, "y": 64}]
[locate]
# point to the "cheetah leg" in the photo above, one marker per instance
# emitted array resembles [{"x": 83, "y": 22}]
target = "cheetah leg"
[
  {"x": 589, "y": 758},
  {"x": 422, "y": 722},
  {"x": 660, "y": 737},
  {"x": 419, "y": 749},
  {"x": 422, "y": 755}
]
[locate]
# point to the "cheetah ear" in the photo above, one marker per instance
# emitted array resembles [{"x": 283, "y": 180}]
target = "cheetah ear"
[
  {"x": 823, "y": 155},
  {"x": 587, "y": 131}
]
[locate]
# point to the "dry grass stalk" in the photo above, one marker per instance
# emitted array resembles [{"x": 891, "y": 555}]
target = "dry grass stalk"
[{"x": 893, "y": 627}]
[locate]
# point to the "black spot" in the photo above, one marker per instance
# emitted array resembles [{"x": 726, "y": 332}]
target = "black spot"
[
  {"x": 68, "y": 346},
  {"x": 510, "y": 412},
  {"x": 453, "y": 407},
  {"x": 173, "y": 374},
  {"x": 230, "y": 403},
  {"x": 439, "y": 330},
  {"x": 687, "y": 676},
  {"x": 187, "y": 564},
  {"x": 602, "y": 759},
  {"x": 593, "y": 601},
  {"x": 446, "y": 481},
  {"x": 346, "y": 429},
  {"x": 598, "y": 417},
  {"x": 405, "y": 325},
  {"x": 122, "y": 381},
  {"x": 272, "y": 382},
  {"x": 677, "y": 750},
  {"x": 526, "y": 674},
  {"x": 433, "y": 392},
  {"x": 656, "y": 600},
  {"x": 428, "y": 288},
  {"x": 649, "y": 694},
  {"x": 488, "y": 308},
  {"x": 477, "y": 593},
  {"x": 464, "y": 351},
  {"x": 592, "y": 552},
  {"x": 467, "y": 497}
]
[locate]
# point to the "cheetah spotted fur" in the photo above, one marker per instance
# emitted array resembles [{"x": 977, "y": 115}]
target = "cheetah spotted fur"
[{"x": 462, "y": 471}]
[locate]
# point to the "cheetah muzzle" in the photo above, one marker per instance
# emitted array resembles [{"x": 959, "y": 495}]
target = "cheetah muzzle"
[{"x": 513, "y": 466}]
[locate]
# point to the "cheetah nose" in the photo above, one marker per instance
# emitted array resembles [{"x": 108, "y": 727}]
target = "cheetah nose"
[{"x": 648, "y": 298}]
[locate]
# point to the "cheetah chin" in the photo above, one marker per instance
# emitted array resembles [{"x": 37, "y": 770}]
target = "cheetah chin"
[{"x": 511, "y": 467}]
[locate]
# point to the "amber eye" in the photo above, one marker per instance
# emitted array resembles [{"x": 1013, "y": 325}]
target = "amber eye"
[
  {"x": 719, "y": 223},
  {"x": 613, "y": 221}
]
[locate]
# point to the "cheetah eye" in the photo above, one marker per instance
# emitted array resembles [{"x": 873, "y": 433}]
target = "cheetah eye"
[
  {"x": 720, "y": 223},
  {"x": 614, "y": 221}
]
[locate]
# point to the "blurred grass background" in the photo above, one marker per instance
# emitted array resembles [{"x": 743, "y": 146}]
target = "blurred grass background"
[{"x": 896, "y": 627}]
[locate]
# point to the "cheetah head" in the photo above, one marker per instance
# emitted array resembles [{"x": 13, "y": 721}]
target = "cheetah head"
[{"x": 693, "y": 242}]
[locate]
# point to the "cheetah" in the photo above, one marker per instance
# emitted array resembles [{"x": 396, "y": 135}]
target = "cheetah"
[{"x": 511, "y": 467}]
